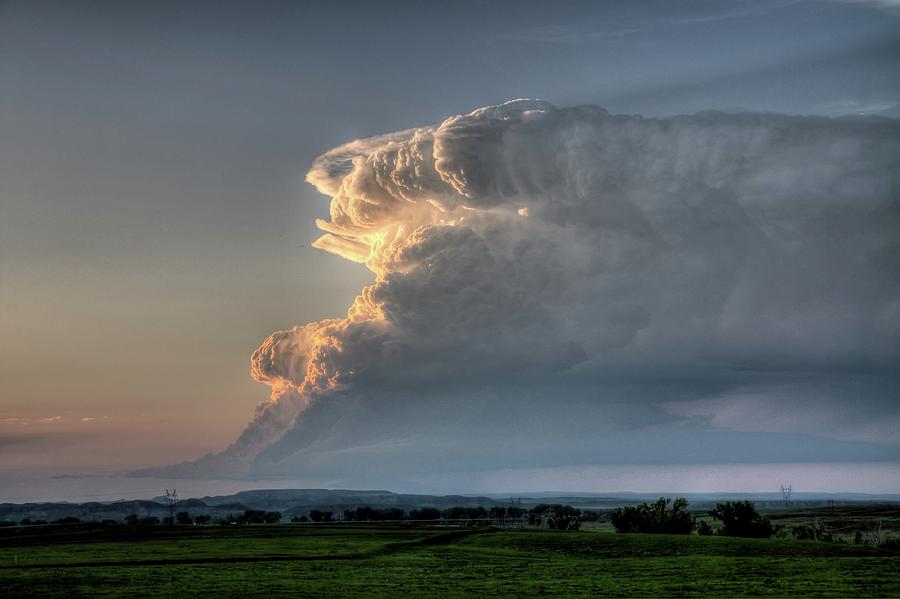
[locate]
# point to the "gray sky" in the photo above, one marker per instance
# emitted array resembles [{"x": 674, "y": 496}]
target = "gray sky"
[{"x": 155, "y": 222}]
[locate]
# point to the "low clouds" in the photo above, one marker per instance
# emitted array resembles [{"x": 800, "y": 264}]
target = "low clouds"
[
  {"x": 524, "y": 244},
  {"x": 849, "y": 407}
]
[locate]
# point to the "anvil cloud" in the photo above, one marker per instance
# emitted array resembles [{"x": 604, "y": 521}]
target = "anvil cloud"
[{"x": 524, "y": 246}]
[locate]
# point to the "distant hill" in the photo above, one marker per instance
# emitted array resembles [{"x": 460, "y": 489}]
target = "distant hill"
[
  {"x": 298, "y": 499},
  {"x": 299, "y": 502},
  {"x": 98, "y": 511},
  {"x": 290, "y": 502},
  {"x": 698, "y": 501}
]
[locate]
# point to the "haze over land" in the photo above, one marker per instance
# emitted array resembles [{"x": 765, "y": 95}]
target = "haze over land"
[{"x": 613, "y": 288}]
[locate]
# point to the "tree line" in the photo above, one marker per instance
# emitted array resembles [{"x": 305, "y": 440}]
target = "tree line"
[
  {"x": 663, "y": 516},
  {"x": 554, "y": 516}
]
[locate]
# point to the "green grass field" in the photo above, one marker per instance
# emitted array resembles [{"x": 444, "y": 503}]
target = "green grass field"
[{"x": 313, "y": 560}]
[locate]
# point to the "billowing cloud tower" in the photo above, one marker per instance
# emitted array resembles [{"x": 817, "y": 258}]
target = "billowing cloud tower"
[{"x": 548, "y": 283}]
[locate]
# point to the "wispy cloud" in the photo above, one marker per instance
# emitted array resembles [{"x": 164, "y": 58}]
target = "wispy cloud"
[
  {"x": 26, "y": 421},
  {"x": 618, "y": 28},
  {"x": 875, "y": 106},
  {"x": 883, "y": 4},
  {"x": 780, "y": 410},
  {"x": 39, "y": 420}
]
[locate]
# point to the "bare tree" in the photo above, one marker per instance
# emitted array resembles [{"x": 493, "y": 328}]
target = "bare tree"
[{"x": 877, "y": 536}]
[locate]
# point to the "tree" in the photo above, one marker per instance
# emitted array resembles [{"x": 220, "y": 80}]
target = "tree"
[
  {"x": 515, "y": 511},
  {"x": 740, "y": 519},
  {"x": 317, "y": 516},
  {"x": 370, "y": 514},
  {"x": 260, "y": 517},
  {"x": 426, "y": 513},
  {"x": 704, "y": 528},
  {"x": 455, "y": 513},
  {"x": 476, "y": 513},
  {"x": 655, "y": 518},
  {"x": 184, "y": 518}
]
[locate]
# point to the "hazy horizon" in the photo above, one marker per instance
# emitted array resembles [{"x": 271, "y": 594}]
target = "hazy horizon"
[{"x": 755, "y": 480}]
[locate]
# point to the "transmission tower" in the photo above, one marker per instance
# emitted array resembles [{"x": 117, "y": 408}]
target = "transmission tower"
[
  {"x": 786, "y": 494},
  {"x": 171, "y": 500}
]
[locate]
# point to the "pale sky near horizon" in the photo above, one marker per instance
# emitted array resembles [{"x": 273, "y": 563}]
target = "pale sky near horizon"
[{"x": 155, "y": 225}]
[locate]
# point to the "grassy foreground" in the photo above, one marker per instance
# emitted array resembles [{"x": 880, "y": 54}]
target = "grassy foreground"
[{"x": 334, "y": 560}]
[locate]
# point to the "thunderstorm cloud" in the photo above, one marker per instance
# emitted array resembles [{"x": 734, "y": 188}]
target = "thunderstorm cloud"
[{"x": 558, "y": 286}]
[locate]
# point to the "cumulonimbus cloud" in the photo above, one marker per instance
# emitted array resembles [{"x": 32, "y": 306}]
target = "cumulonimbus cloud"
[{"x": 522, "y": 239}]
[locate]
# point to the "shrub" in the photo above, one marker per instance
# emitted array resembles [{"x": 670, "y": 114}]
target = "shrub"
[
  {"x": 704, "y": 528},
  {"x": 740, "y": 519},
  {"x": 317, "y": 516},
  {"x": 260, "y": 517},
  {"x": 811, "y": 532},
  {"x": 465, "y": 513},
  {"x": 29, "y": 521},
  {"x": 369, "y": 514},
  {"x": 556, "y": 516},
  {"x": 655, "y": 517}
]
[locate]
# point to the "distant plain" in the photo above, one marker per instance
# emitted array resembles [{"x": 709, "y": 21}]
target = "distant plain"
[{"x": 420, "y": 560}]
